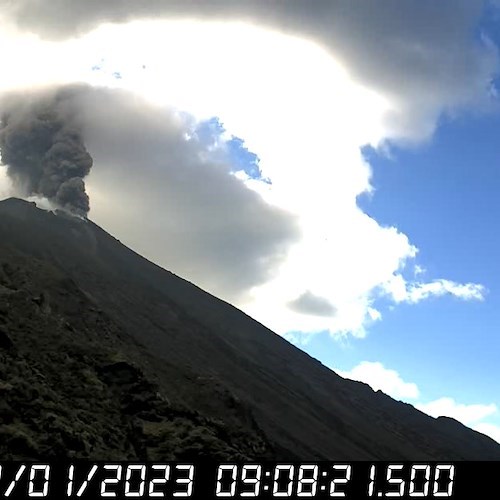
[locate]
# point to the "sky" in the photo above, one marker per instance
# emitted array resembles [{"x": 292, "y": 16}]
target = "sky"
[{"x": 330, "y": 170}]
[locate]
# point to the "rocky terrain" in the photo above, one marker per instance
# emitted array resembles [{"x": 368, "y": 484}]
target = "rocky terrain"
[{"x": 105, "y": 355}]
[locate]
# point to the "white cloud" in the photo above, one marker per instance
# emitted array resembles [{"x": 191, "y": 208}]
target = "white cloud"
[
  {"x": 304, "y": 108},
  {"x": 380, "y": 378},
  {"x": 413, "y": 292},
  {"x": 399, "y": 49},
  {"x": 418, "y": 270}
]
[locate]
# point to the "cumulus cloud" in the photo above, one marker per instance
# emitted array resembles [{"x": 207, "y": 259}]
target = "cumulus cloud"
[
  {"x": 173, "y": 203},
  {"x": 381, "y": 378},
  {"x": 305, "y": 89},
  {"x": 417, "y": 54}
]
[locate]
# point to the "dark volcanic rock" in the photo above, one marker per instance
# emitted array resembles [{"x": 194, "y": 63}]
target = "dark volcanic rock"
[
  {"x": 119, "y": 373},
  {"x": 65, "y": 392},
  {"x": 5, "y": 342},
  {"x": 105, "y": 355}
]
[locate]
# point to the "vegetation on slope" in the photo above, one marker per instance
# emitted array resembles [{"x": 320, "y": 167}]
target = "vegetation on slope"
[{"x": 69, "y": 388}]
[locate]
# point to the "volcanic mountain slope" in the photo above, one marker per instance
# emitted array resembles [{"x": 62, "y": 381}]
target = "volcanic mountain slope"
[{"x": 106, "y": 355}]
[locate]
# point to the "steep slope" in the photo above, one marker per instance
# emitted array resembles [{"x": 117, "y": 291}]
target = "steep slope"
[
  {"x": 70, "y": 386},
  {"x": 205, "y": 355}
]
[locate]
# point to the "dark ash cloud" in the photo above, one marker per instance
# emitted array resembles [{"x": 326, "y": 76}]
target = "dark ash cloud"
[
  {"x": 309, "y": 303},
  {"x": 154, "y": 185},
  {"x": 43, "y": 149}
]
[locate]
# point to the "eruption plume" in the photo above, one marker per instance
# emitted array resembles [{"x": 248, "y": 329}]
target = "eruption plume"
[{"x": 42, "y": 146}]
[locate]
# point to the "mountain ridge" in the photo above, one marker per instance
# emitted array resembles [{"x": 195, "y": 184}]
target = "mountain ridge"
[{"x": 213, "y": 360}]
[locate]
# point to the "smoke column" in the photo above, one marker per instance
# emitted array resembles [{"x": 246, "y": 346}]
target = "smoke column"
[{"x": 43, "y": 149}]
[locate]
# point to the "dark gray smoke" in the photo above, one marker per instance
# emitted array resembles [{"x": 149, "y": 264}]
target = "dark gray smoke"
[{"x": 42, "y": 147}]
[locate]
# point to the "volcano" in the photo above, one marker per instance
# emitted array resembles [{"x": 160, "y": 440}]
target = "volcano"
[{"x": 105, "y": 355}]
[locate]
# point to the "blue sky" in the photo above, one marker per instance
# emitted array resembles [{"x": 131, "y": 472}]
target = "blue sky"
[
  {"x": 445, "y": 196},
  {"x": 227, "y": 148},
  {"x": 333, "y": 172}
]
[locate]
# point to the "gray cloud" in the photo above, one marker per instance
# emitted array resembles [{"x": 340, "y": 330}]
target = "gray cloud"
[
  {"x": 153, "y": 188},
  {"x": 419, "y": 53},
  {"x": 309, "y": 303}
]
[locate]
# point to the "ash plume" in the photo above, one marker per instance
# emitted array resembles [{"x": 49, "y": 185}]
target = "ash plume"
[{"x": 41, "y": 144}]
